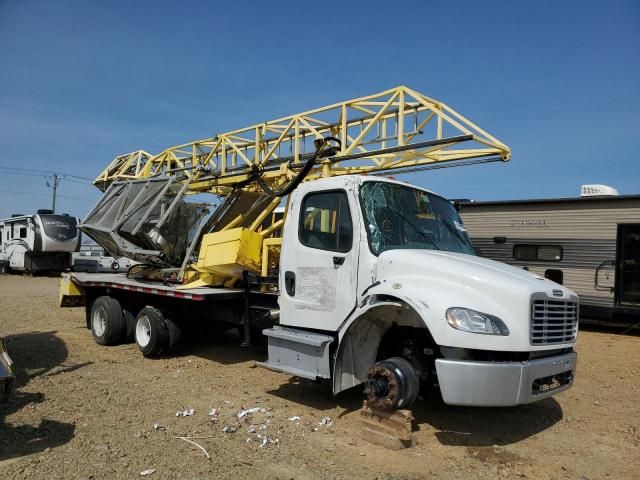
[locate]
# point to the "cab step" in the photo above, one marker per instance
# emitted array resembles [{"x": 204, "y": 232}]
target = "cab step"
[{"x": 298, "y": 352}]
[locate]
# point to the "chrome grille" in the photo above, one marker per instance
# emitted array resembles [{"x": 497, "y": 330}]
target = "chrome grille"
[{"x": 553, "y": 321}]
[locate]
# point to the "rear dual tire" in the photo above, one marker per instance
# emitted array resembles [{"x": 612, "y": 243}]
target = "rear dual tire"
[
  {"x": 154, "y": 333},
  {"x": 108, "y": 324},
  {"x": 112, "y": 324}
]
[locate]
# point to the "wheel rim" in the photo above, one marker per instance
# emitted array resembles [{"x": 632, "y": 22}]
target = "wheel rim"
[
  {"x": 99, "y": 321},
  {"x": 143, "y": 331}
]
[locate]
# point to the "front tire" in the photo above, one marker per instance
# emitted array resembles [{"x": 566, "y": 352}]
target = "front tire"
[
  {"x": 152, "y": 332},
  {"x": 107, "y": 322},
  {"x": 392, "y": 384}
]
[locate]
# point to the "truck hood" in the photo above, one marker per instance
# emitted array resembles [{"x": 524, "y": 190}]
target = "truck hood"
[
  {"x": 467, "y": 269},
  {"x": 434, "y": 281}
]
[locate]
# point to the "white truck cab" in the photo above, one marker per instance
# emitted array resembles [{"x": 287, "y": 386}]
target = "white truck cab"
[{"x": 379, "y": 284}]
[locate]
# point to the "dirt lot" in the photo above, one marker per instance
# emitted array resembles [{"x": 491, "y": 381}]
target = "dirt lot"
[{"x": 85, "y": 411}]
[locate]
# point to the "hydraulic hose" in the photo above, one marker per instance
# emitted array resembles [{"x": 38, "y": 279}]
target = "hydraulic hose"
[{"x": 323, "y": 149}]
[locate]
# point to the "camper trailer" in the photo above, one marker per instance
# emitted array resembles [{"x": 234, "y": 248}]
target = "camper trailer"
[
  {"x": 590, "y": 244},
  {"x": 38, "y": 243}
]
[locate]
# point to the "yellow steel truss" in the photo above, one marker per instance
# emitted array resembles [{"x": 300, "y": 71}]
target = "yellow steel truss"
[{"x": 397, "y": 129}]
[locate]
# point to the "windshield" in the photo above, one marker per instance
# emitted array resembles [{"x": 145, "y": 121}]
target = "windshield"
[{"x": 398, "y": 216}]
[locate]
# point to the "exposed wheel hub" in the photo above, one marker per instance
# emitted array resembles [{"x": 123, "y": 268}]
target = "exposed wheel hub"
[
  {"x": 382, "y": 390},
  {"x": 392, "y": 384},
  {"x": 380, "y": 387}
]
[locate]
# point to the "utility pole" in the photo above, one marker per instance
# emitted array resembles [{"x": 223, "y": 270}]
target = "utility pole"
[{"x": 55, "y": 180}]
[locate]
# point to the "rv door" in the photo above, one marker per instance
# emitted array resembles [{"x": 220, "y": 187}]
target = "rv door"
[{"x": 628, "y": 266}]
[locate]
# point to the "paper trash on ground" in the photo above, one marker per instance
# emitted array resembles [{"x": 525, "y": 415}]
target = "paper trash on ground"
[{"x": 186, "y": 413}]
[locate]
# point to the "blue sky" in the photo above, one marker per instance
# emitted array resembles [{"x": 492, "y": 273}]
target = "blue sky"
[{"x": 82, "y": 81}]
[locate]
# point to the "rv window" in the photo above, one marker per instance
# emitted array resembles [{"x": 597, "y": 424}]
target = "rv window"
[
  {"x": 23, "y": 232},
  {"x": 541, "y": 253},
  {"x": 525, "y": 252},
  {"x": 549, "y": 253}
]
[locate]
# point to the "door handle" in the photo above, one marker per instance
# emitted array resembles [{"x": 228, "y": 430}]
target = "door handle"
[
  {"x": 290, "y": 283},
  {"x": 596, "y": 285},
  {"x": 337, "y": 261}
]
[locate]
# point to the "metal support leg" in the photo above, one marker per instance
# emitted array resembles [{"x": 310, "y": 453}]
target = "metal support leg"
[{"x": 246, "y": 320}]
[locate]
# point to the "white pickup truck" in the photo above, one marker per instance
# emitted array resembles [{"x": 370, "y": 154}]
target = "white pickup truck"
[{"x": 378, "y": 285}]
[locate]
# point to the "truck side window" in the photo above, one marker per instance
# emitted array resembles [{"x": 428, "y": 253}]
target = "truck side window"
[
  {"x": 23, "y": 232},
  {"x": 325, "y": 222}
]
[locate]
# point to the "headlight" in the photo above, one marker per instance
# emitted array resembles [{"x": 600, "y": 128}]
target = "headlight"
[{"x": 468, "y": 320}]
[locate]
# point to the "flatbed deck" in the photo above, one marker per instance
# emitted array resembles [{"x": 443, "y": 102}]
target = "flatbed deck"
[{"x": 120, "y": 281}]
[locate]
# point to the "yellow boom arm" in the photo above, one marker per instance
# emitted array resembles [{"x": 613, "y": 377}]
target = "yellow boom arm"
[{"x": 395, "y": 130}]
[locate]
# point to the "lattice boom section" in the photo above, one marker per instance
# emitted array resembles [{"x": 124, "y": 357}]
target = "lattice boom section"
[{"x": 391, "y": 130}]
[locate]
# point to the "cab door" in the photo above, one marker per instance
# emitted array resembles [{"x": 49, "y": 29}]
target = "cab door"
[{"x": 319, "y": 259}]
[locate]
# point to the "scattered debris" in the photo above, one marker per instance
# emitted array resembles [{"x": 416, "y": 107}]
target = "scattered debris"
[
  {"x": 597, "y": 403},
  {"x": 213, "y": 415},
  {"x": 295, "y": 418},
  {"x": 326, "y": 421},
  {"x": 227, "y": 402},
  {"x": 251, "y": 429},
  {"x": 268, "y": 440},
  {"x": 149, "y": 471},
  {"x": 157, "y": 426},
  {"x": 188, "y": 439},
  {"x": 229, "y": 429},
  {"x": 248, "y": 411},
  {"x": 186, "y": 413}
]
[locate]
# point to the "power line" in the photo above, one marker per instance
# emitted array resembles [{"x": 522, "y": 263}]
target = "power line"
[
  {"x": 13, "y": 192},
  {"x": 62, "y": 177},
  {"x": 76, "y": 181},
  {"x": 26, "y": 169},
  {"x": 34, "y": 171},
  {"x": 52, "y": 178},
  {"x": 48, "y": 174},
  {"x": 24, "y": 173}
]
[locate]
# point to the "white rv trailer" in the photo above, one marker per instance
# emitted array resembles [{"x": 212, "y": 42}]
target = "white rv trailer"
[
  {"x": 38, "y": 243},
  {"x": 590, "y": 244}
]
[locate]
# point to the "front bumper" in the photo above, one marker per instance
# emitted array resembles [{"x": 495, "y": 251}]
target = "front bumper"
[{"x": 502, "y": 384}]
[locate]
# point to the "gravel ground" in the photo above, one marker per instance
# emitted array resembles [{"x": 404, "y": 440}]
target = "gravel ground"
[{"x": 88, "y": 412}]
